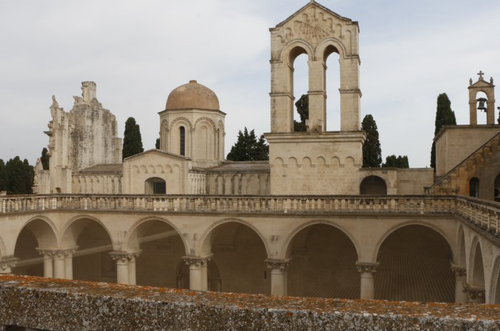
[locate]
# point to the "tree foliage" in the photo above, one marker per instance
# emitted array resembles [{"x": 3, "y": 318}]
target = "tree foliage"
[
  {"x": 303, "y": 109},
  {"x": 132, "y": 140},
  {"x": 249, "y": 148},
  {"x": 444, "y": 116},
  {"x": 45, "y": 159},
  {"x": 372, "y": 153},
  {"x": 157, "y": 143},
  {"x": 393, "y": 161},
  {"x": 16, "y": 176}
]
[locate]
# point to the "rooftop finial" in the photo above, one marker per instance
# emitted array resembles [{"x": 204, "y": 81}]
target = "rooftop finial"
[{"x": 480, "y": 74}]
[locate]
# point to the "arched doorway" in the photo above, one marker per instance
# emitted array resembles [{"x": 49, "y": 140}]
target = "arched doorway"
[
  {"x": 415, "y": 266},
  {"x": 155, "y": 185},
  {"x": 35, "y": 235},
  {"x": 161, "y": 250},
  {"x": 239, "y": 254},
  {"x": 323, "y": 264},
  {"x": 474, "y": 187},
  {"x": 91, "y": 261},
  {"x": 373, "y": 185}
]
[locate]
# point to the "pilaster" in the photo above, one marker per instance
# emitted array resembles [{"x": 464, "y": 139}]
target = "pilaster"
[
  {"x": 474, "y": 294},
  {"x": 7, "y": 263},
  {"x": 460, "y": 278}
]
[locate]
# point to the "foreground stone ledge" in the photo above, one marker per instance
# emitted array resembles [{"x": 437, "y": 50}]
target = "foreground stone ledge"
[{"x": 50, "y": 304}]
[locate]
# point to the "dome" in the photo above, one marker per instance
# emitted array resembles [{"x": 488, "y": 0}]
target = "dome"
[{"x": 192, "y": 96}]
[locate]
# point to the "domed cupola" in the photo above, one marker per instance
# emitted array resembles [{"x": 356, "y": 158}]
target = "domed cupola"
[{"x": 192, "y": 96}]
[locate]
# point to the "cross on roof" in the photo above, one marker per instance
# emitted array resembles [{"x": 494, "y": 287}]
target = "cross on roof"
[{"x": 480, "y": 74}]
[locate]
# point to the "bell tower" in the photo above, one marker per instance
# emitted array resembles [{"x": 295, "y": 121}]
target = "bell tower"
[
  {"x": 485, "y": 104},
  {"x": 300, "y": 161}
]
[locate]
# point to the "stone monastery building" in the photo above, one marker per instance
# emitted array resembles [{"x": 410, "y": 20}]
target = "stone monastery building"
[{"x": 311, "y": 221}]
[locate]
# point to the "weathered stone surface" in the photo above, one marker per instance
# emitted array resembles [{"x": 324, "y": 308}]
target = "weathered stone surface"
[{"x": 73, "y": 305}]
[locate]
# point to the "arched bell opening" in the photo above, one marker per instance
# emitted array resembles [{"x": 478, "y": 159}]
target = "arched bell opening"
[
  {"x": 239, "y": 254},
  {"x": 323, "y": 264},
  {"x": 373, "y": 185},
  {"x": 332, "y": 84},
  {"x": 415, "y": 266},
  {"x": 482, "y": 108},
  {"x": 160, "y": 249},
  {"x": 299, "y": 73}
]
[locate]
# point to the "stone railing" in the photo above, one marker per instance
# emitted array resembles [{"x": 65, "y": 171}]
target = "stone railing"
[
  {"x": 50, "y": 304},
  {"x": 482, "y": 213}
]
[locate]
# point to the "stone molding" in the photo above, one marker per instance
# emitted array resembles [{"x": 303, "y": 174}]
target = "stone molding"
[
  {"x": 8, "y": 263},
  {"x": 196, "y": 260},
  {"x": 459, "y": 271},
  {"x": 123, "y": 257},
  {"x": 366, "y": 267},
  {"x": 281, "y": 265}
]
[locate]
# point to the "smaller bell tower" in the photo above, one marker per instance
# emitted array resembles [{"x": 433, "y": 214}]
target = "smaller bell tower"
[{"x": 485, "y": 104}]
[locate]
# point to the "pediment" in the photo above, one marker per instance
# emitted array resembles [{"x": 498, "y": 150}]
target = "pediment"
[
  {"x": 482, "y": 83},
  {"x": 156, "y": 154},
  {"x": 314, "y": 23}
]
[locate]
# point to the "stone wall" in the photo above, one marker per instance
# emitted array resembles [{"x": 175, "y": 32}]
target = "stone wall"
[{"x": 72, "y": 305}]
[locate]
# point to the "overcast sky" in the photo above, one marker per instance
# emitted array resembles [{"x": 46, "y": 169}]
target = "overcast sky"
[{"x": 139, "y": 51}]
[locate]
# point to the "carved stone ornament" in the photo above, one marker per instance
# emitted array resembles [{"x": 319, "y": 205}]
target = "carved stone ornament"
[
  {"x": 277, "y": 264},
  {"x": 367, "y": 267},
  {"x": 196, "y": 261},
  {"x": 57, "y": 252},
  {"x": 123, "y": 257},
  {"x": 8, "y": 263},
  {"x": 459, "y": 271},
  {"x": 474, "y": 293}
]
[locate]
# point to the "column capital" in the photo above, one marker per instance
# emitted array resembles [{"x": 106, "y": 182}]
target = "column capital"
[
  {"x": 474, "y": 292},
  {"x": 197, "y": 261},
  {"x": 459, "y": 271},
  {"x": 367, "y": 267},
  {"x": 54, "y": 252},
  {"x": 7, "y": 263},
  {"x": 121, "y": 256},
  {"x": 277, "y": 264}
]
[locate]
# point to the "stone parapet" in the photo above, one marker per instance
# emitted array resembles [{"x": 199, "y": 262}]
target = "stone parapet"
[
  {"x": 41, "y": 303},
  {"x": 483, "y": 214}
]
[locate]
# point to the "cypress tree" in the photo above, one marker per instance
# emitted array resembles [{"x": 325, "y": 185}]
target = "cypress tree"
[
  {"x": 372, "y": 153},
  {"x": 45, "y": 159},
  {"x": 19, "y": 176},
  {"x": 3, "y": 176},
  {"x": 444, "y": 116},
  {"x": 393, "y": 161},
  {"x": 132, "y": 140},
  {"x": 157, "y": 143},
  {"x": 303, "y": 109},
  {"x": 247, "y": 148}
]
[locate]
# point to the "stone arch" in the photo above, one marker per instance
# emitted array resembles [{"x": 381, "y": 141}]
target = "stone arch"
[
  {"x": 415, "y": 265},
  {"x": 207, "y": 120},
  {"x": 373, "y": 185},
  {"x": 477, "y": 274},
  {"x": 295, "y": 48},
  {"x": 322, "y": 262},
  {"x": 239, "y": 251},
  {"x": 67, "y": 237},
  {"x": 286, "y": 250},
  {"x": 495, "y": 283},
  {"x": 129, "y": 241},
  {"x": 206, "y": 237},
  {"x": 37, "y": 232},
  {"x": 161, "y": 248},
  {"x": 327, "y": 47},
  {"x": 94, "y": 241}
]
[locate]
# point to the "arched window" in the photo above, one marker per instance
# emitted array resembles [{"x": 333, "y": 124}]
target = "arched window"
[
  {"x": 182, "y": 133},
  {"x": 332, "y": 88},
  {"x": 474, "y": 187},
  {"x": 373, "y": 185},
  {"x": 156, "y": 186}
]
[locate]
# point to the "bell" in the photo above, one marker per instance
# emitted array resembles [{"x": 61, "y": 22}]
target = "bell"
[{"x": 482, "y": 105}]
